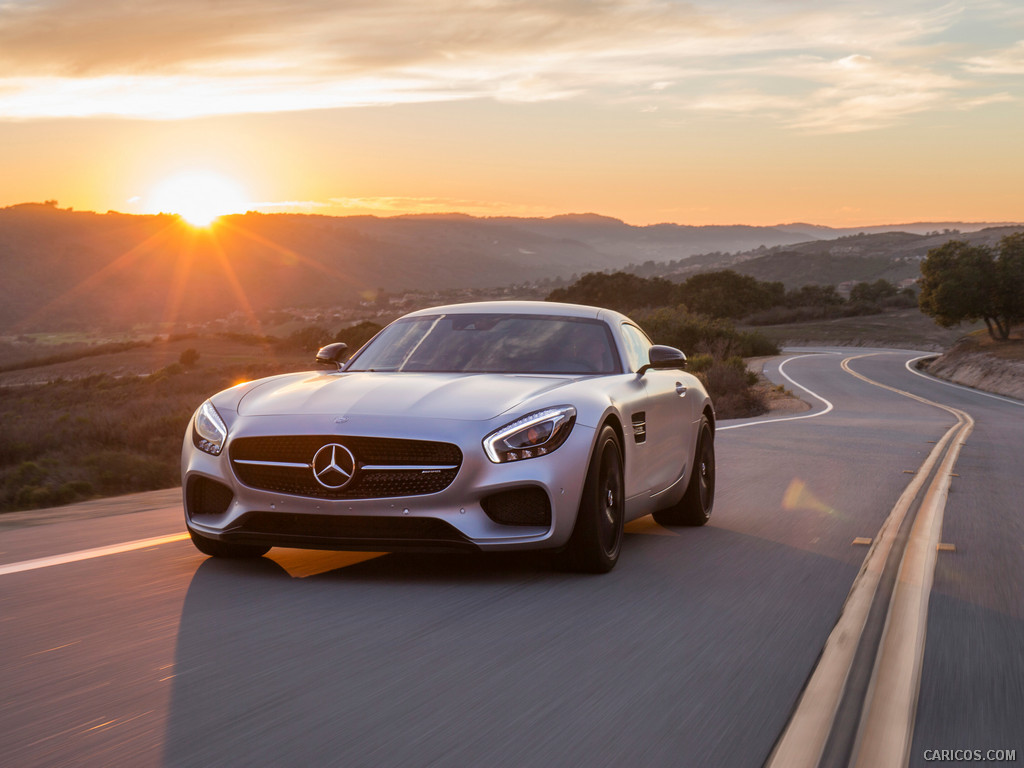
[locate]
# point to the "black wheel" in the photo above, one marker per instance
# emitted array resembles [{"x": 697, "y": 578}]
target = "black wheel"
[
  {"x": 695, "y": 506},
  {"x": 215, "y": 548},
  {"x": 597, "y": 536}
]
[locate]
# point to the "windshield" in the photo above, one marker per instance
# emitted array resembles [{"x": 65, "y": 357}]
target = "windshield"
[{"x": 491, "y": 343}]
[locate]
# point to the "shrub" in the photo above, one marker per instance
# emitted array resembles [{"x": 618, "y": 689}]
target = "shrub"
[
  {"x": 357, "y": 335},
  {"x": 696, "y": 333},
  {"x": 716, "y": 358},
  {"x": 189, "y": 357},
  {"x": 308, "y": 339},
  {"x": 699, "y": 363},
  {"x": 730, "y": 385}
]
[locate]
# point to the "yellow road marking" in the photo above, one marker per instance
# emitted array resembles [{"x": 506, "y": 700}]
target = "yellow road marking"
[{"x": 803, "y": 741}]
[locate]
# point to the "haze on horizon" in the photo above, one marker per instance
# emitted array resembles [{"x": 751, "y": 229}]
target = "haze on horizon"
[{"x": 837, "y": 113}]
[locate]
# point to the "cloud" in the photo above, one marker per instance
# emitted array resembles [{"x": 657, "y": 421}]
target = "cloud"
[
  {"x": 862, "y": 94},
  {"x": 809, "y": 67},
  {"x": 1006, "y": 62}
]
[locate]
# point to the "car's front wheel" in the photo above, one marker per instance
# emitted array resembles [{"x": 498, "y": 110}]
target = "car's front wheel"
[
  {"x": 597, "y": 536},
  {"x": 695, "y": 506},
  {"x": 215, "y": 548}
]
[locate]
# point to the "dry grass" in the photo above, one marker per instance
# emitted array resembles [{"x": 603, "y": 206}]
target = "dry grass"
[
  {"x": 903, "y": 329},
  {"x": 1011, "y": 349},
  {"x": 111, "y": 424}
]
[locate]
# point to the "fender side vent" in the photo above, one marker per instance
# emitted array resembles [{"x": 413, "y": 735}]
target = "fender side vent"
[{"x": 639, "y": 426}]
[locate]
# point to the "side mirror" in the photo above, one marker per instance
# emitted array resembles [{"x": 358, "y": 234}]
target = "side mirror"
[
  {"x": 663, "y": 358},
  {"x": 333, "y": 354}
]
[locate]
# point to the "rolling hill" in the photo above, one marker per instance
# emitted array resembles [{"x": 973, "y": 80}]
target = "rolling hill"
[{"x": 74, "y": 270}]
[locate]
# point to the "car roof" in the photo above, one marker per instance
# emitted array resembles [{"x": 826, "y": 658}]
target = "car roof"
[{"x": 524, "y": 308}]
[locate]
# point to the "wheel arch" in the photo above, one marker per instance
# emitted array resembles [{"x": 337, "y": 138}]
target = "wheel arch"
[
  {"x": 709, "y": 412},
  {"x": 612, "y": 420}
]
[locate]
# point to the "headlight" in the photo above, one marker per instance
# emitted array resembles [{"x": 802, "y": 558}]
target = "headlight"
[
  {"x": 536, "y": 434},
  {"x": 210, "y": 432}
]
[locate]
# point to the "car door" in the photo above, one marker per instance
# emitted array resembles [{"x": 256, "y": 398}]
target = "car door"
[{"x": 668, "y": 416}]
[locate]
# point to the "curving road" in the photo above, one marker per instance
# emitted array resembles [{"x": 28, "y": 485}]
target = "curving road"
[{"x": 693, "y": 651}]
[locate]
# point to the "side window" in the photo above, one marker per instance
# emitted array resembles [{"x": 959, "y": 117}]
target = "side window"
[{"x": 637, "y": 346}]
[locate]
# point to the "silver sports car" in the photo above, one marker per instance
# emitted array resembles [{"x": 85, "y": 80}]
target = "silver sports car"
[{"x": 485, "y": 426}]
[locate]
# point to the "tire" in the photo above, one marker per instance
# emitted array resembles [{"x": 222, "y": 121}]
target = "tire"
[
  {"x": 696, "y": 505},
  {"x": 597, "y": 536},
  {"x": 226, "y": 549}
]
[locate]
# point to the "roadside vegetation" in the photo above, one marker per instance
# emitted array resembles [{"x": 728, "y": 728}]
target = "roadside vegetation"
[
  {"x": 727, "y": 294},
  {"x": 714, "y": 348},
  {"x": 67, "y": 438}
]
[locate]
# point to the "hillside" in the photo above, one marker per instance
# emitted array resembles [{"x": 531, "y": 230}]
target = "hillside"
[
  {"x": 70, "y": 270},
  {"x": 892, "y": 256}
]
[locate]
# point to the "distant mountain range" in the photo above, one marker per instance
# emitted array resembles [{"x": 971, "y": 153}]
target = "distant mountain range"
[{"x": 66, "y": 269}]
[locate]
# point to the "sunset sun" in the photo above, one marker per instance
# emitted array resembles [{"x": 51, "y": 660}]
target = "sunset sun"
[{"x": 199, "y": 197}]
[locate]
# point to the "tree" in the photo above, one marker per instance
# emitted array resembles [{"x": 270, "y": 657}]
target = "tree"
[
  {"x": 818, "y": 296},
  {"x": 189, "y": 357},
  {"x": 729, "y": 294},
  {"x": 960, "y": 281},
  {"x": 1009, "y": 299},
  {"x": 619, "y": 291},
  {"x": 873, "y": 292}
]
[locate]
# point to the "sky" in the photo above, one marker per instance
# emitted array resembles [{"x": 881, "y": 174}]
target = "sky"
[{"x": 710, "y": 112}]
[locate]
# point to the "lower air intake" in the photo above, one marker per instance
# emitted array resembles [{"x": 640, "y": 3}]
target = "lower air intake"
[{"x": 519, "y": 506}]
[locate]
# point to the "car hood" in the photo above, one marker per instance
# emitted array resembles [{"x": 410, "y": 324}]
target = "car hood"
[{"x": 474, "y": 397}]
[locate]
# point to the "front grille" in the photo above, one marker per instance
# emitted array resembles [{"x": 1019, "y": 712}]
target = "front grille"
[{"x": 385, "y": 467}]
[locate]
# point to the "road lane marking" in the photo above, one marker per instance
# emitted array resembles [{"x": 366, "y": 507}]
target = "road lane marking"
[
  {"x": 803, "y": 741},
  {"x": 887, "y": 721},
  {"x": 51, "y": 650},
  {"x": 828, "y": 405},
  {"x": 88, "y": 554}
]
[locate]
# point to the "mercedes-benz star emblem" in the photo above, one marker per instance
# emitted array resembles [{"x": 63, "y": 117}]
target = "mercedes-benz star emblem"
[{"x": 333, "y": 466}]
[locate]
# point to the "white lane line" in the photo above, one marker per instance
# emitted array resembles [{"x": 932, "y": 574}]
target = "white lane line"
[
  {"x": 910, "y": 367},
  {"x": 828, "y": 405},
  {"x": 88, "y": 554}
]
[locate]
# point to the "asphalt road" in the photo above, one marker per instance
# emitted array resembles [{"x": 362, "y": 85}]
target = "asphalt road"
[{"x": 692, "y": 652}]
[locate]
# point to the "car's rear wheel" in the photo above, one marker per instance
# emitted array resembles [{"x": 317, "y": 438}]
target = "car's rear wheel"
[
  {"x": 696, "y": 505},
  {"x": 597, "y": 536},
  {"x": 215, "y": 548}
]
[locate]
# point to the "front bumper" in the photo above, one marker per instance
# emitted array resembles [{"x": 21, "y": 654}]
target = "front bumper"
[{"x": 454, "y": 519}]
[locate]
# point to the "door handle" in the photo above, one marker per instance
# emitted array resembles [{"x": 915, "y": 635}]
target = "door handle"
[{"x": 680, "y": 389}]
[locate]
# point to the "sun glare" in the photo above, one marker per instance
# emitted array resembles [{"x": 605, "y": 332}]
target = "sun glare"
[{"x": 199, "y": 197}]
